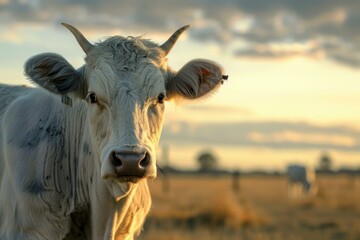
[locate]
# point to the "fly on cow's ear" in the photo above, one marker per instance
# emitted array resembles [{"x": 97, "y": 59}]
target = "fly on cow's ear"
[
  {"x": 92, "y": 98},
  {"x": 161, "y": 97}
]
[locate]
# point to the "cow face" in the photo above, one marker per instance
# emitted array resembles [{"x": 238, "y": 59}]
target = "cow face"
[
  {"x": 124, "y": 83},
  {"x": 125, "y": 97}
]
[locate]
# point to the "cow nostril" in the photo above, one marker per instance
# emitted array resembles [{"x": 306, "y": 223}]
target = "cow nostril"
[
  {"x": 116, "y": 161},
  {"x": 145, "y": 161}
]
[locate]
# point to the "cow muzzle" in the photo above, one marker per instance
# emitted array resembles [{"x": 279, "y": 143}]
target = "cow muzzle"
[{"x": 128, "y": 165}]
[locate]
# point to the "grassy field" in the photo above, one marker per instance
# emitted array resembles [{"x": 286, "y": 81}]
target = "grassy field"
[{"x": 204, "y": 207}]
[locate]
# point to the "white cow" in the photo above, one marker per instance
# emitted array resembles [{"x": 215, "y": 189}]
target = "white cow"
[
  {"x": 79, "y": 170},
  {"x": 301, "y": 181}
]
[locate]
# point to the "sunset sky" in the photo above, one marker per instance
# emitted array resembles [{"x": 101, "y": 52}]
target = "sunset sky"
[{"x": 293, "y": 66}]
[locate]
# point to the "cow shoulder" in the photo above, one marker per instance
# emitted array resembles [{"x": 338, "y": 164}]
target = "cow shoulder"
[{"x": 33, "y": 138}]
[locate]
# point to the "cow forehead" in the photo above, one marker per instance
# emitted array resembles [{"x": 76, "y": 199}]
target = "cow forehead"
[
  {"x": 128, "y": 64},
  {"x": 126, "y": 53},
  {"x": 146, "y": 81}
]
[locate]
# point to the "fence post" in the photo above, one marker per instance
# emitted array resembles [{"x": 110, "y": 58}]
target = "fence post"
[{"x": 236, "y": 181}]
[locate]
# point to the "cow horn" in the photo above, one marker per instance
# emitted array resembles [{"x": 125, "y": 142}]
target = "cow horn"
[
  {"x": 168, "y": 45},
  {"x": 83, "y": 42}
]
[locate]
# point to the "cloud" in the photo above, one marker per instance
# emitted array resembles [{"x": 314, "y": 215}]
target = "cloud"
[
  {"x": 319, "y": 22},
  {"x": 290, "y": 136},
  {"x": 219, "y": 109},
  {"x": 208, "y": 113},
  {"x": 277, "y": 135},
  {"x": 260, "y": 24},
  {"x": 281, "y": 51}
]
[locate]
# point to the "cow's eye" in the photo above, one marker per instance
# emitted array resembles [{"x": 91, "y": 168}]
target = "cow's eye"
[
  {"x": 161, "y": 98},
  {"x": 92, "y": 98}
]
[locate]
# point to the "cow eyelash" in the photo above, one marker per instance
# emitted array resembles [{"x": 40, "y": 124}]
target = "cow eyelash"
[
  {"x": 161, "y": 98},
  {"x": 92, "y": 98}
]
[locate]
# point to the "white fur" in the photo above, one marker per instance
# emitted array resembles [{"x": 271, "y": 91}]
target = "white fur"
[{"x": 55, "y": 165}]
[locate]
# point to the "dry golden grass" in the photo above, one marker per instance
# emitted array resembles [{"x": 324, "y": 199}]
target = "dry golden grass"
[{"x": 205, "y": 207}]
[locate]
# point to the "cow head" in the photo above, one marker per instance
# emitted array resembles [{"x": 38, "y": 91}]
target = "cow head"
[{"x": 124, "y": 83}]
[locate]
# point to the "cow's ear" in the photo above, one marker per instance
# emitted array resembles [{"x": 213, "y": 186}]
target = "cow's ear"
[
  {"x": 196, "y": 79},
  {"x": 52, "y": 72}
]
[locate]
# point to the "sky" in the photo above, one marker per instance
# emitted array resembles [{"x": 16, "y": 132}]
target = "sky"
[{"x": 293, "y": 66}]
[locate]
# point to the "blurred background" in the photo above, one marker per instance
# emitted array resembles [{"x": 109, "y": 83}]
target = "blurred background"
[{"x": 292, "y": 97}]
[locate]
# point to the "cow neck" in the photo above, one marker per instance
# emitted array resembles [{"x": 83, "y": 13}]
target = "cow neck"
[
  {"x": 123, "y": 216},
  {"x": 79, "y": 155}
]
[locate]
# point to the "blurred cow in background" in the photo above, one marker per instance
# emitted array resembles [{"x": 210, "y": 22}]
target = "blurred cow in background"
[{"x": 301, "y": 181}]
